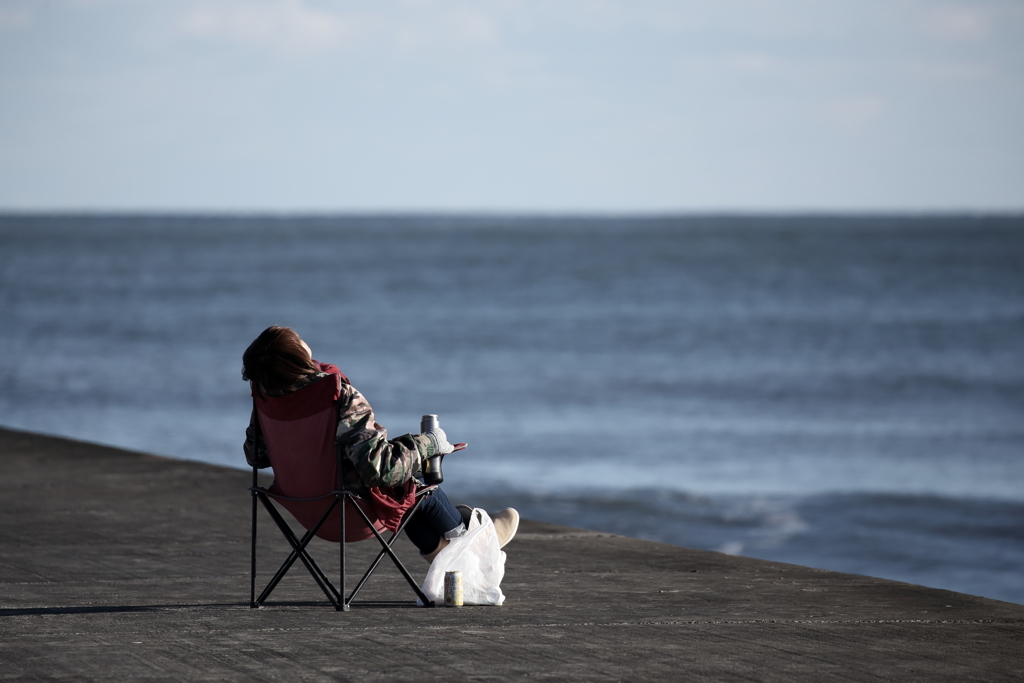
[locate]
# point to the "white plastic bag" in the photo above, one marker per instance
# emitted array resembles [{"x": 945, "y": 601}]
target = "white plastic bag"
[{"x": 476, "y": 554}]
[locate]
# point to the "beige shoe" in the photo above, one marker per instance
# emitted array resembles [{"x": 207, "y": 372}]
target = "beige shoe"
[
  {"x": 429, "y": 557},
  {"x": 506, "y": 523}
]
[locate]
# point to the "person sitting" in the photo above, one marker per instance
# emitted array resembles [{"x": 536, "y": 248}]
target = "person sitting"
[{"x": 279, "y": 362}]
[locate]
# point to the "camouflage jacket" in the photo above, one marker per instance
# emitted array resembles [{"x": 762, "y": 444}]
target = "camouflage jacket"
[{"x": 369, "y": 458}]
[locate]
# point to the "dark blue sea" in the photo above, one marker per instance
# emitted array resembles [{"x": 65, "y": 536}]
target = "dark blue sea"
[{"x": 840, "y": 392}]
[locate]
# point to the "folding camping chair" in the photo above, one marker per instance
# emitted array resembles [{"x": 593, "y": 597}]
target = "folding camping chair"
[{"x": 299, "y": 430}]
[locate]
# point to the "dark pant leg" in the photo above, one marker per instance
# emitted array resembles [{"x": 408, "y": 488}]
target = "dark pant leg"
[{"x": 435, "y": 519}]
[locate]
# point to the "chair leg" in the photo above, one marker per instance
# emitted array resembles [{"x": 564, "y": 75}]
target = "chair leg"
[
  {"x": 394, "y": 558},
  {"x": 380, "y": 556},
  {"x": 299, "y": 552},
  {"x": 334, "y": 596},
  {"x": 283, "y": 569},
  {"x": 252, "y": 568},
  {"x": 342, "y": 604},
  {"x": 369, "y": 571}
]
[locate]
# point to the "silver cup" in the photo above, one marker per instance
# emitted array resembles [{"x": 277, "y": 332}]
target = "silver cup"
[{"x": 428, "y": 423}]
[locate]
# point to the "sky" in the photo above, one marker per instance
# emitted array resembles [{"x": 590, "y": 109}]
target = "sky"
[{"x": 511, "y": 105}]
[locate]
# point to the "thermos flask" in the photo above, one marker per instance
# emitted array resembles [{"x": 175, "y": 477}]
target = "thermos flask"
[{"x": 432, "y": 467}]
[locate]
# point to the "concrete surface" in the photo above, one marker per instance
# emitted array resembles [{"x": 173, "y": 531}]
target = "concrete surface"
[{"x": 119, "y": 565}]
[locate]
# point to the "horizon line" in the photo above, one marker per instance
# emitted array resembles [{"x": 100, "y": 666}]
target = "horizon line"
[{"x": 510, "y": 214}]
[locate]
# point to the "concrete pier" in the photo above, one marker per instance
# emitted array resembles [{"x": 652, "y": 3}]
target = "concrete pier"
[{"x": 119, "y": 565}]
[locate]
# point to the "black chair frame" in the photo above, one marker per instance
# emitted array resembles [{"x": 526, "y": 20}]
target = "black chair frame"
[{"x": 336, "y": 596}]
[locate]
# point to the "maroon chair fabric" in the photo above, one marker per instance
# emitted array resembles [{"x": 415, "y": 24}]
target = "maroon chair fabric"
[{"x": 299, "y": 429}]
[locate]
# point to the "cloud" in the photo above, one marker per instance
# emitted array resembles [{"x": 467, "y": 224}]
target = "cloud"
[
  {"x": 851, "y": 115},
  {"x": 295, "y": 27},
  {"x": 962, "y": 24},
  {"x": 286, "y": 26},
  {"x": 14, "y": 19},
  {"x": 460, "y": 27},
  {"x": 753, "y": 62},
  {"x": 949, "y": 71}
]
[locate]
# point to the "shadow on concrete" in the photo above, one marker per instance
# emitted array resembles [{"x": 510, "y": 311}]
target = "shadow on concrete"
[
  {"x": 116, "y": 609},
  {"x": 110, "y": 609}
]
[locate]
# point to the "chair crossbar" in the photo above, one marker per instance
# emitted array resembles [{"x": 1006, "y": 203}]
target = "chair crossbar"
[
  {"x": 426, "y": 491},
  {"x": 299, "y": 552},
  {"x": 386, "y": 548},
  {"x": 278, "y": 496}
]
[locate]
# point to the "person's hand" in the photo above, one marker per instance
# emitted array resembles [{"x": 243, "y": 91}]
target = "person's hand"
[{"x": 440, "y": 441}]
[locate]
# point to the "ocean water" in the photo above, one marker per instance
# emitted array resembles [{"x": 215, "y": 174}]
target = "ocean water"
[{"x": 840, "y": 392}]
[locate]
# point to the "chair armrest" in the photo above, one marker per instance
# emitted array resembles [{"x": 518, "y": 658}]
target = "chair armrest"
[
  {"x": 426, "y": 490},
  {"x": 278, "y": 496}
]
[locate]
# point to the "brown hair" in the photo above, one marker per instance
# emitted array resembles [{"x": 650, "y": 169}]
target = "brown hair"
[{"x": 276, "y": 361}]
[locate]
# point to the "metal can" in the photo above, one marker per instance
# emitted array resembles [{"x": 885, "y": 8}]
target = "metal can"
[
  {"x": 453, "y": 589},
  {"x": 428, "y": 422}
]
